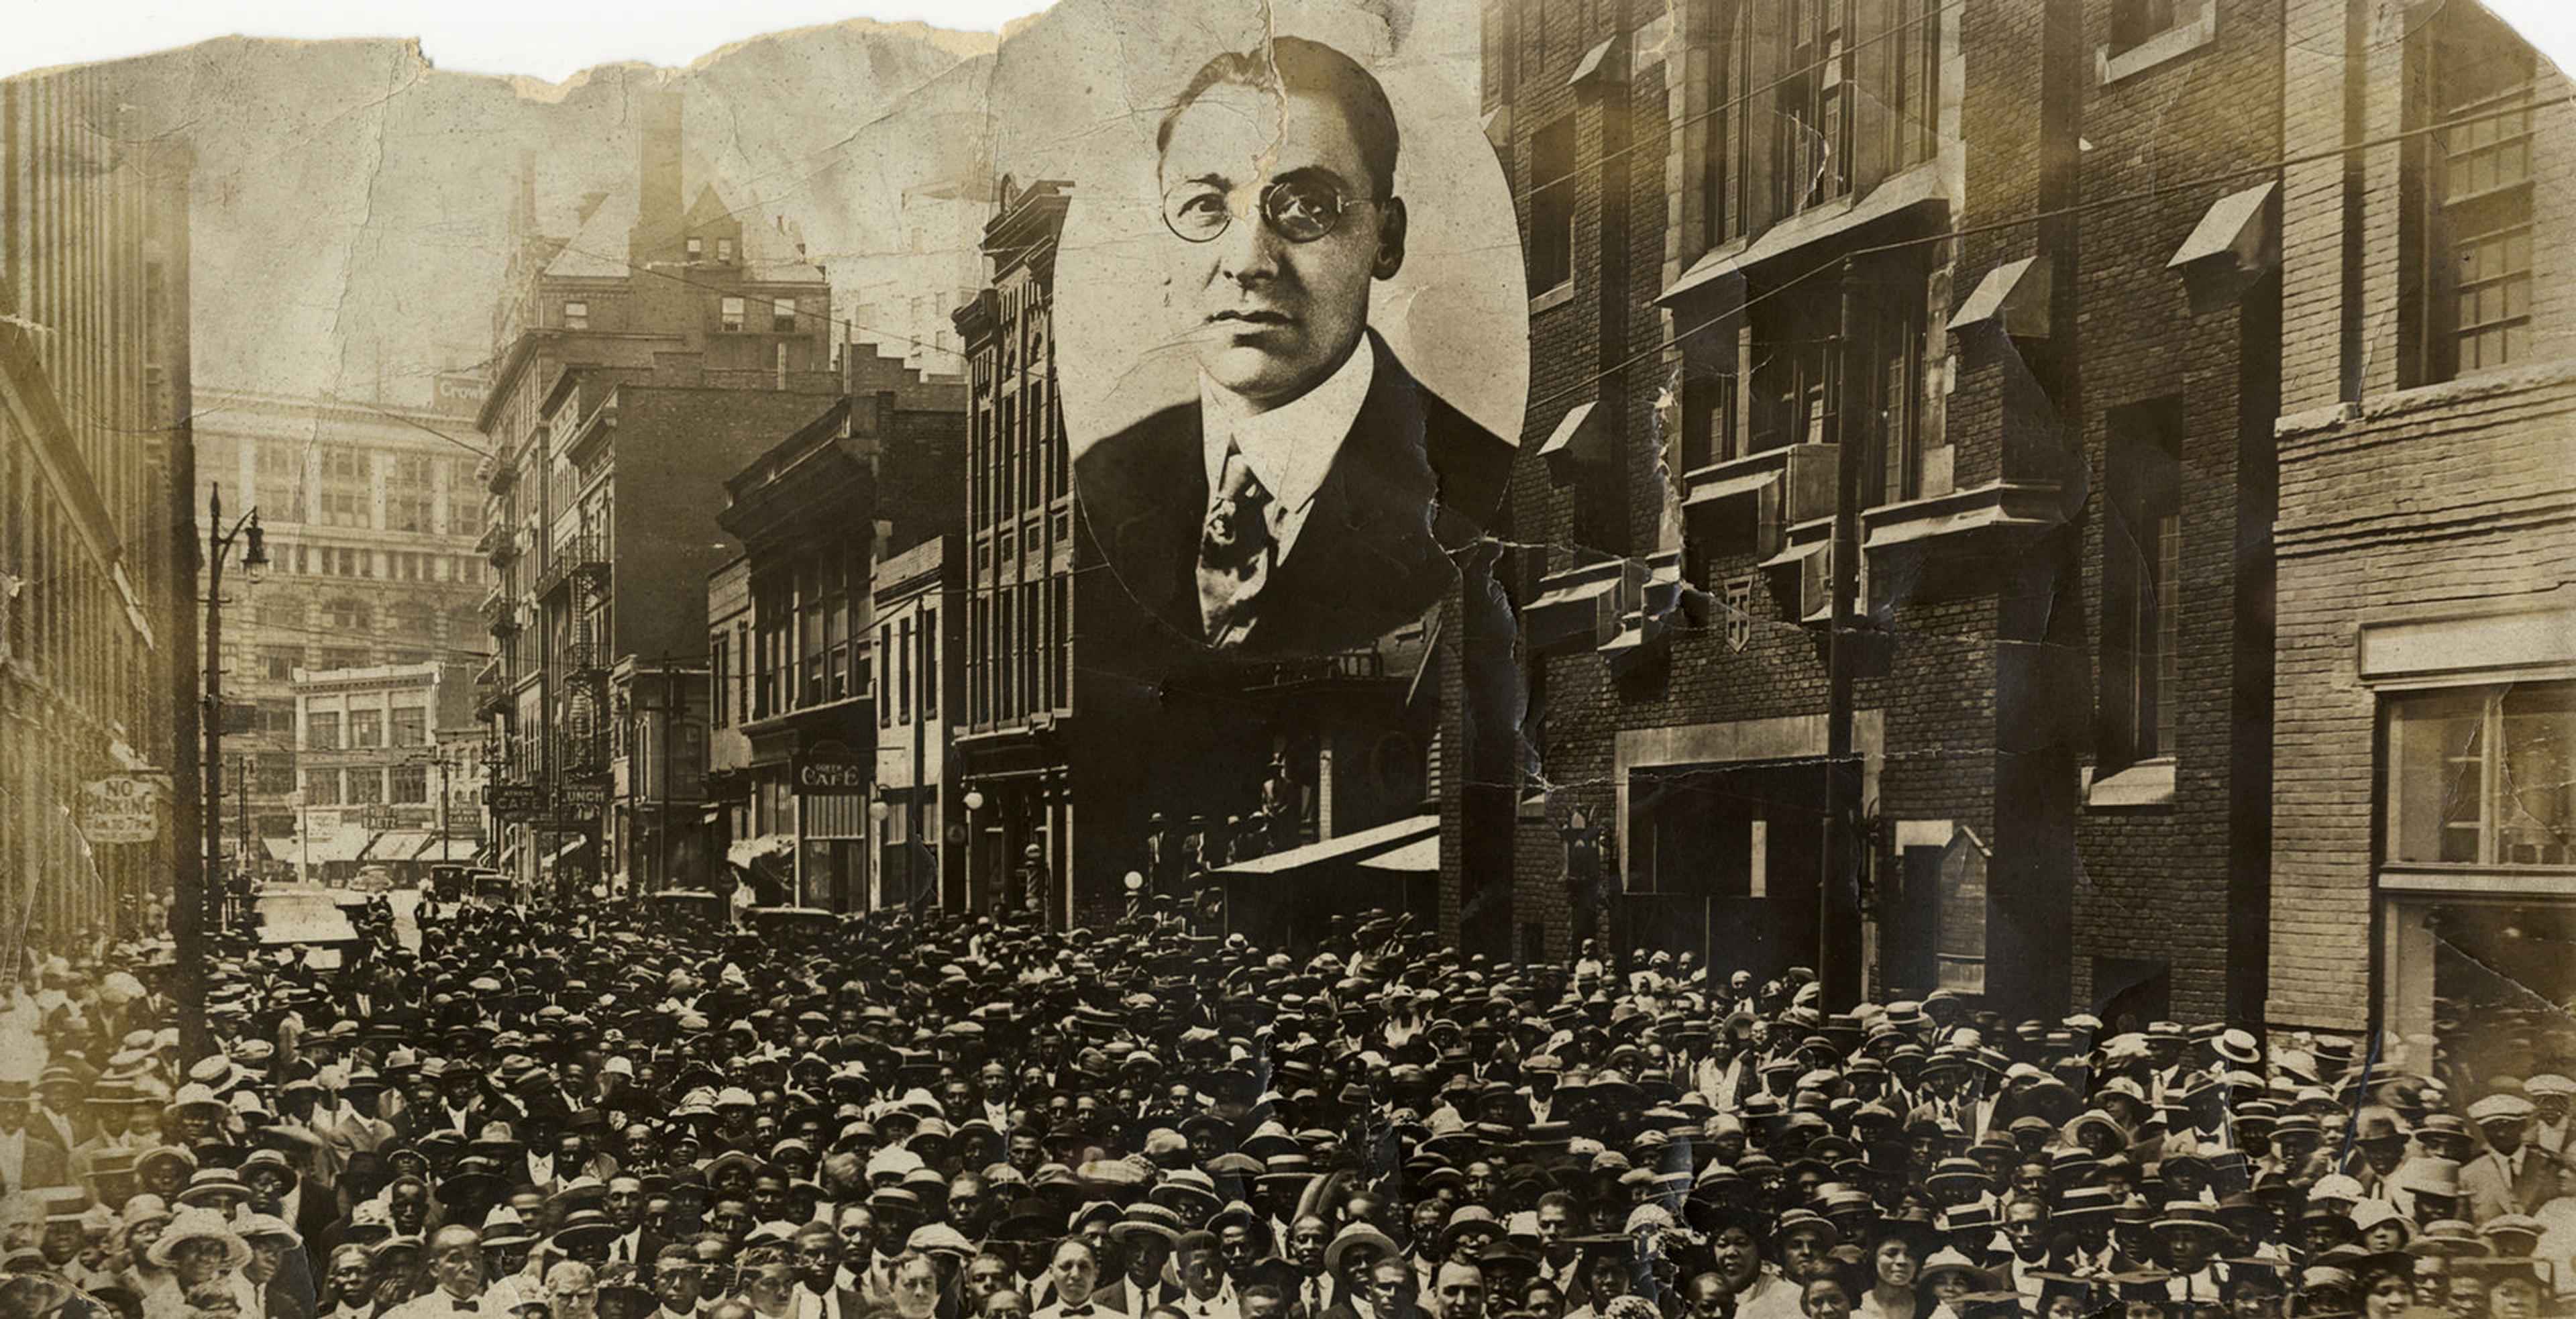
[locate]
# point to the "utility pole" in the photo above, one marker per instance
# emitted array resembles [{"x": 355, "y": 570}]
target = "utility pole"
[
  {"x": 438, "y": 758},
  {"x": 662, "y": 812},
  {"x": 194, "y": 912},
  {"x": 1838, "y": 950}
]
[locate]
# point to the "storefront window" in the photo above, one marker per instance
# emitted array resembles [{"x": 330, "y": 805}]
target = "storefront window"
[
  {"x": 2483, "y": 776},
  {"x": 2498, "y": 970}
]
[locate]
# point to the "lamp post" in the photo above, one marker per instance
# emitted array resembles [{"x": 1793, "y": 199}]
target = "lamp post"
[
  {"x": 877, "y": 813},
  {"x": 192, "y": 912}
]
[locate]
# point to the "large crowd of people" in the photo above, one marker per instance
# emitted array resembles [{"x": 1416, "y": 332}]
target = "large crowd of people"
[{"x": 536, "y": 1115}]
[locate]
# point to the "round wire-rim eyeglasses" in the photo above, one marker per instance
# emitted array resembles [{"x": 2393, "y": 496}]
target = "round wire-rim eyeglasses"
[{"x": 1299, "y": 210}]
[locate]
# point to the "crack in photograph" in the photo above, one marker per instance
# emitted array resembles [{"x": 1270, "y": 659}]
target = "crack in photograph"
[{"x": 1298, "y": 659}]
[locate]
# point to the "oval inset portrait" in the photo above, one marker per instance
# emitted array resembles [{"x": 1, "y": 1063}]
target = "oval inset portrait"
[{"x": 1293, "y": 347}]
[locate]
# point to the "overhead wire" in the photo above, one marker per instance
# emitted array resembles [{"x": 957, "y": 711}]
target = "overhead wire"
[{"x": 2158, "y": 192}]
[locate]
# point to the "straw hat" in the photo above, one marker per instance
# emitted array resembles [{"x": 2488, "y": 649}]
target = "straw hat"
[{"x": 197, "y": 1224}]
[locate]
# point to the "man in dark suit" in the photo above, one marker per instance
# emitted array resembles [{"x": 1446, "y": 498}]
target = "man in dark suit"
[
  {"x": 1309, "y": 499},
  {"x": 29, "y": 1157}
]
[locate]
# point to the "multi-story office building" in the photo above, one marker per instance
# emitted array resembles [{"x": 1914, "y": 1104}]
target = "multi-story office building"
[
  {"x": 376, "y": 784},
  {"x": 98, "y": 644},
  {"x": 2426, "y": 686},
  {"x": 1888, "y": 548},
  {"x": 645, "y": 358},
  {"x": 372, "y": 512}
]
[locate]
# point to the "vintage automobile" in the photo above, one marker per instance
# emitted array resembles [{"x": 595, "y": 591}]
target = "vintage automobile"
[
  {"x": 688, "y": 908},
  {"x": 306, "y": 916},
  {"x": 794, "y": 927}
]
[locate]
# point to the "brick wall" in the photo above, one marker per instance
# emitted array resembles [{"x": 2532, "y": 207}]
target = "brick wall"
[
  {"x": 2455, "y": 492},
  {"x": 2400, "y": 498},
  {"x": 2153, "y": 883}
]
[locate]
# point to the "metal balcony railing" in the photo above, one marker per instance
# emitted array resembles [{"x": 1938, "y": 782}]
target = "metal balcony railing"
[
  {"x": 583, "y": 555},
  {"x": 584, "y": 753},
  {"x": 1342, "y": 666}
]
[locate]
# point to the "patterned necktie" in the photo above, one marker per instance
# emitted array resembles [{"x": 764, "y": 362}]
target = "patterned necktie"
[{"x": 1235, "y": 552}]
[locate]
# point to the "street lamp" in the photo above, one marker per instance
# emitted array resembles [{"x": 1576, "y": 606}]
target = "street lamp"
[
  {"x": 190, "y": 913},
  {"x": 877, "y": 813}
]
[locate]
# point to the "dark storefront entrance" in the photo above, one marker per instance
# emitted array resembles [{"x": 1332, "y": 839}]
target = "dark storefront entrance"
[{"x": 1724, "y": 861}]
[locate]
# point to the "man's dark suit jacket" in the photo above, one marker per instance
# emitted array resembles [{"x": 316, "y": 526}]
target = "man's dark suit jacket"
[
  {"x": 46, "y": 1163},
  {"x": 1370, "y": 557}
]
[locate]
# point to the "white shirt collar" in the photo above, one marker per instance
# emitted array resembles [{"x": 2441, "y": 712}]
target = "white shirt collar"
[{"x": 1290, "y": 447}]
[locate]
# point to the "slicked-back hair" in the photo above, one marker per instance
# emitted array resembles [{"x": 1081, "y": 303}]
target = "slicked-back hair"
[{"x": 1295, "y": 64}]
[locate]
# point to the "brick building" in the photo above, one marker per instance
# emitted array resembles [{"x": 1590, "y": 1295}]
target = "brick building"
[
  {"x": 1892, "y": 495},
  {"x": 2428, "y": 518},
  {"x": 645, "y": 358},
  {"x": 1030, "y": 699},
  {"x": 920, "y": 611},
  {"x": 372, "y": 513},
  {"x": 98, "y": 543},
  {"x": 801, "y": 678}
]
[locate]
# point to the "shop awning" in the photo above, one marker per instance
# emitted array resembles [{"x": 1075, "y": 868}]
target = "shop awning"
[
  {"x": 748, "y": 850},
  {"x": 345, "y": 845},
  {"x": 396, "y": 845},
  {"x": 279, "y": 849},
  {"x": 1346, "y": 847},
  {"x": 1419, "y": 857}
]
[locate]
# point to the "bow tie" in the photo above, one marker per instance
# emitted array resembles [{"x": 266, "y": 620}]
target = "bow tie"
[
  {"x": 467, "y": 1307},
  {"x": 1075, "y": 1311}
]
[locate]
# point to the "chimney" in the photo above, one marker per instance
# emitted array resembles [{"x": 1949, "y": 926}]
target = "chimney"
[{"x": 657, "y": 180}]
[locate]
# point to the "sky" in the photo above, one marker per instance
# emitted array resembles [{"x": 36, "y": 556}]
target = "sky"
[
  {"x": 552, "y": 39},
  {"x": 549, "y": 39}
]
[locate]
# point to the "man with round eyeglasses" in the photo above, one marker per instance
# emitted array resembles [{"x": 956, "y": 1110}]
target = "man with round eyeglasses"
[{"x": 1310, "y": 497}]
